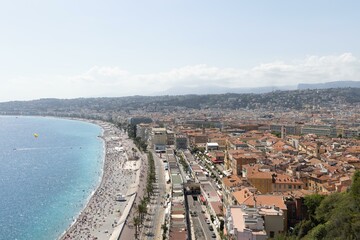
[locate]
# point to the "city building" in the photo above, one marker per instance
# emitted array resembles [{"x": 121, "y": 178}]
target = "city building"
[
  {"x": 170, "y": 137},
  {"x": 244, "y": 223},
  {"x": 237, "y": 158},
  {"x": 159, "y": 139},
  {"x": 181, "y": 142},
  {"x": 212, "y": 146},
  {"x": 258, "y": 222},
  {"x": 289, "y": 129},
  {"x": 143, "y": 131},
  {"x": 266, "y": 181},
  {"x": 319, "y": 130},
  {"x": 138, "y": 120}
]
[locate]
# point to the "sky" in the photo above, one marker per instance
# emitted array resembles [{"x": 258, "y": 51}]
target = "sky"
[{"x": 86, "y": 48}]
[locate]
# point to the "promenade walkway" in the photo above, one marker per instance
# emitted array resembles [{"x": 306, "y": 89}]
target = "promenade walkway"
[{"x": 128, "y": 231}]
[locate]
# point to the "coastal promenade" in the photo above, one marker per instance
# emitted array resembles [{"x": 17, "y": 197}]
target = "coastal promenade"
[
  {"x": 128, "y": 229},
  {"x": 104, "y": 217},
  {"x": 152, "y": 226}
]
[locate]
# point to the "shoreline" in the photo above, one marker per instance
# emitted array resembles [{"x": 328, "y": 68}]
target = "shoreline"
[
  {"x": 101, "y": 213},
  {"x": 101, "y": 216},
  {"x": 76, "y": 218}
]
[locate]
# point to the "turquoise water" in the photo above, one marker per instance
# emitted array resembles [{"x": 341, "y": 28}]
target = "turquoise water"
[{"x": 46, "y": 181}]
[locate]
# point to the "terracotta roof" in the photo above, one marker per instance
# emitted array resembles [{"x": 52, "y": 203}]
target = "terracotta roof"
[
  {"x": 353, "y": 149},
  {"x": 237, "y": 151},
  {"x": 299, "y": 193},
  {"x": 262, "y": 175},
  {"x": 236, "y": 141},
  {"x": 267, "y": 200},
  {"x": 324, "y": 178},
  {"x": 237, "y": 154},
  {"x": 219, "y": 153},
  {"x": 232, "y": 181},
  {"x": 177, "y": 234},
  {"x": 281, "y": 146},
  {"x": 283, "y": 178},
  {"x": 242, "y": 195},
  {"x": 350, "y": 159},
  {"x": 254, "y": 143},
  {"x": 314, "y": 161},
  {"x": 217, "y": 206}
]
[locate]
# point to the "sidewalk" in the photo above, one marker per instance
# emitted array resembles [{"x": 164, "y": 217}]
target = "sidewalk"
[
  {"x": 117, "y": 231},
  {"x": 128, "y": 231}
]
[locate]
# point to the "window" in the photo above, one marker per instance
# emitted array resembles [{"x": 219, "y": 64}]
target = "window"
[
  {"x": 289, "y": 186},
  {"x": 272, "y": 234}
]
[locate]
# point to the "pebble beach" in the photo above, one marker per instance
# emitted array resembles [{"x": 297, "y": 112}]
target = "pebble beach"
[{"x": 121, "y": 172}]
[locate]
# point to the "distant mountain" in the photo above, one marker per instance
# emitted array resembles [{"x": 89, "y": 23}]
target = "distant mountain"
[
  {"x": 107, "y": 107},
  {"x": 211, "y": 89},
  {"x": 335, "y": 84}
]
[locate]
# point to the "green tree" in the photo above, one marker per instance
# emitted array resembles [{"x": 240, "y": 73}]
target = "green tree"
[
  {"x": 131, "y": 129},
  {"x": 336, "y": 216},
  {"x": 342, "y": 219},
  {"x": 136, "y": 222},
  {"x": 355, "y": 188},
  {"x": 142, "y": 210},
  {"x": 277, "y": 134},
  {"x": 165, "y": 228},
  {"x": 318, "y": 232},
  {"x": 312, "y": 202},
  {"x": 323, "y": 212}
]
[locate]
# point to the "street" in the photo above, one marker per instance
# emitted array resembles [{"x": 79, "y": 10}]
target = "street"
[{"x": 156, "y": 211}]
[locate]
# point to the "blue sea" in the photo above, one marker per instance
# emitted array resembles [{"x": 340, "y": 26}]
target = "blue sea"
[{"x": 46, "y": 181}]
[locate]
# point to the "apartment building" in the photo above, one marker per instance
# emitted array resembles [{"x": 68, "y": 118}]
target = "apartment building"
[
  {"x": 319, "y": 130},
  {"x": 289, "y": 129},
  {"x": 159, "y": 139},
  {"x": 181, "y": 142},
  {"x": 143, "y": 131}
]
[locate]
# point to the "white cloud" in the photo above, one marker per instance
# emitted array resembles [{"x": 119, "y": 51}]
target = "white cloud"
[{"x": 114, "y": 81}]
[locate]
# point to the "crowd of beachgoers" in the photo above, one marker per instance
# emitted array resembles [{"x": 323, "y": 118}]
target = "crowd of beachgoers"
[{"x": 120, "y": 178}]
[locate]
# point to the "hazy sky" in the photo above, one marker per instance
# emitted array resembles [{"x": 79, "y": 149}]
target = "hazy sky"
[{"x": 78, "y": 48}]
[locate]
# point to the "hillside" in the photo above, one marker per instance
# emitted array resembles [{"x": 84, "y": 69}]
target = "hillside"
[
  {"x": 336, "y": 216},
  {"x": 336, "y": 84},
  {"x": 277, "y": 100}
]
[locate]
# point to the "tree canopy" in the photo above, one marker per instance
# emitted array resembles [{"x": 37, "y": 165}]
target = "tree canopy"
[{"x": 336, "y": 216}]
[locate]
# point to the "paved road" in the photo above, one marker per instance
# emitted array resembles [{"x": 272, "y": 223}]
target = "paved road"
[
  {"x": 155, "y": 218},
  {"x": 197, "y": 227},
  {"x": 204, "y": 224},
  {"x": 203, "y": 230}
]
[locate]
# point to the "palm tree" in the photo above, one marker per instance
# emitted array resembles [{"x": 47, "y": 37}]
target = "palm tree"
[
  {"x": 136, "y": 221},
  {"x": 149, "y": 189},
  {"x": 142, "y": 209},
  {"x": 165, "y": 228}
]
